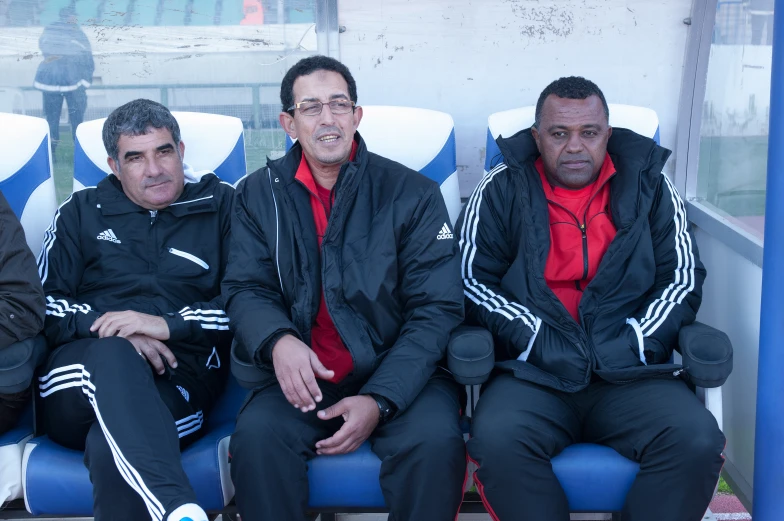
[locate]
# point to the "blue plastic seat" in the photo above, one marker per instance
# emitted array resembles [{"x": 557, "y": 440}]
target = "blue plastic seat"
[{"x": 212, "y": 143}]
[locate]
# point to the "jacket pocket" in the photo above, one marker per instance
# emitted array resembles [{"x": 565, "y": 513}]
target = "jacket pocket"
[{"x": 190, "y": 257}]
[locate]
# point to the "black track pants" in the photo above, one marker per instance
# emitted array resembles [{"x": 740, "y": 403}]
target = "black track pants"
[
  {"x": 100, "y": 396},
  {"x": 660, "y": 423}
]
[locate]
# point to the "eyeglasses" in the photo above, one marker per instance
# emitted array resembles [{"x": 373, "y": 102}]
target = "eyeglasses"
[{"x": 313, "y": 108}]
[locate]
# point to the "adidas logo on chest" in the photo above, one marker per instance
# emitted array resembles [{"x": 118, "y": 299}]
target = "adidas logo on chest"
[
  {"x": 445, "y": 233},
  {"x": 108, "y": 235}
]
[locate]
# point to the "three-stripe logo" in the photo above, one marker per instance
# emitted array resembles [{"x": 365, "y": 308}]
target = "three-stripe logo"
[
  {"x": 445, "y": 233},
  {"x": 108, "y": 235}
]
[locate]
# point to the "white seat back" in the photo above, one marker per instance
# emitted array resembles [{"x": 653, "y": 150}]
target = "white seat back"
[
  {"x": 26, "y": 174},
  {"x": 212, "y": 143}
]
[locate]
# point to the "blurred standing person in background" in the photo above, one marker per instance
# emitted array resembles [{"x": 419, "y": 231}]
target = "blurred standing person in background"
[{"x": 66, "y": 72}]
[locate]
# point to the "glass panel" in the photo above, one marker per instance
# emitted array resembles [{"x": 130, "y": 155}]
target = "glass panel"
[
  {"x": 219, "y": 56},
  {"x": 734, "y": 133}
]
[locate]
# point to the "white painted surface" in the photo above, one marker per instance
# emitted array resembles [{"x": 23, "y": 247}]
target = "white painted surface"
[
  {"x": 731, "y": 302},
  {"x": 472, "y": 58}
]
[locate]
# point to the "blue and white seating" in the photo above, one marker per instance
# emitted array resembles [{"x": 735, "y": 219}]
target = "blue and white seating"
[
  {"x": 26, "y": 174},
  {"x": 56, "y": 481},
  {"x": 27, "y": 184},
  {"x": 212, "y": 143},
  {"x": 421, "y": 139},
  {"x": 642, "y": 120},
  {"x": 594, "y": 477}
]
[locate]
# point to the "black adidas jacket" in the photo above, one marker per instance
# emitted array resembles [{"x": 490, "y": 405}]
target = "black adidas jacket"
[
  {"x": 105, "y": 253},
  {"x": 390, "y": 273},
  {"x": 648, "y": 285},
  {"x": 21, "y": 296}
]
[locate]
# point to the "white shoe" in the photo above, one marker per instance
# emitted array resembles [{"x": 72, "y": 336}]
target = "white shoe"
[{"x": 187, "y": 512}]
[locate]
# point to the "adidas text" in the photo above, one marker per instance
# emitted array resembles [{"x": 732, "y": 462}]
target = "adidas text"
[{"x": 108, "y": 235}]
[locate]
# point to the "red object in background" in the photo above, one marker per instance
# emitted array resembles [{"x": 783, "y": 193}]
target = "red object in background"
[{"x": 254, "y": 12}]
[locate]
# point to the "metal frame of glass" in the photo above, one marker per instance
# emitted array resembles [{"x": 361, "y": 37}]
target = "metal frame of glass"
[{"x": 687, "y": 148}]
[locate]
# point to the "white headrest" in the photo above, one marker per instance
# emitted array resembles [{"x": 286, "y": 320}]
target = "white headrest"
[
  {"x": 208, "y": 138},
  {"x": 642, "y": 120},
  {"x": 26, "y": 174},
  {"x": 410, "y": 136},
  {"x": 20, "y": 137}
]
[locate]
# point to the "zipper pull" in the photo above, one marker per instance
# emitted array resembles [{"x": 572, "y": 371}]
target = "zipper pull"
[
  {"x": 582, "y": 229},
  {"x": 153, "y": 215}
]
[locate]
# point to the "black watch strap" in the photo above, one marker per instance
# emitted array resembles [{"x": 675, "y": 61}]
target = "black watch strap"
[{"x": 384, "y": 408}]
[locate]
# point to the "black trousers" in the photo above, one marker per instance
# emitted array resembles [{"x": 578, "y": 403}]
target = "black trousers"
[
  {"x": 519, "y": 426},
  {"x": 53, "y": 105},
  {"x": 100, "y": 396},
  {"x": 422, "y": 453}
]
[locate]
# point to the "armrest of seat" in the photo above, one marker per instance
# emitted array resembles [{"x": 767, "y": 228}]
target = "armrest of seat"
[
  {"x": 470, "y": 354},
  {"x": 707, "y": 355}
]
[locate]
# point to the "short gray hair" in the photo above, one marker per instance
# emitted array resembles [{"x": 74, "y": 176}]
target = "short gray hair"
[{"x": 134, "y": 119}]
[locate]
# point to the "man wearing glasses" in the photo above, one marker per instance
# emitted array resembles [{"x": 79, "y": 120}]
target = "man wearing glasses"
[{"x": 342, "y": 296}]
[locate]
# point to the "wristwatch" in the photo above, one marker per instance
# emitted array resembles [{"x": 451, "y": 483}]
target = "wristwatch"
[{"x": 384, "y": 409}]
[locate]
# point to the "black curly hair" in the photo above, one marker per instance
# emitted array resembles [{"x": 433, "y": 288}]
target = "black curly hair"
[{"x": 570, "y": 87}]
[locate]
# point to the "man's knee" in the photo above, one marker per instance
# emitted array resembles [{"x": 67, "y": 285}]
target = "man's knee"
[
  {"x": 116, "y": 352},
  {"x": 696, "y": 441},
  {"x": 497, "y": 436},
  {"x": 258, "y": 434},
  {"x": 18, "y": 362},
  {"x": 435, "y": 439}
]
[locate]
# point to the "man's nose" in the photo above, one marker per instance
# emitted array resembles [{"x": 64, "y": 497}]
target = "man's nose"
[
  {"x": 154, "y": 167},
  {"x": 575, "y": 143},
  {"x": 327, "y": 118}
]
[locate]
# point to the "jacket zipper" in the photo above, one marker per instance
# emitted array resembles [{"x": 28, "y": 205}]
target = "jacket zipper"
[
  {"x": 322, "y": 259},
  {"x": 583, "y": 233},
  {"x": 190, "y": 257},
  {"x": 585, "y": 250},
  {"x": 583, "y": 226}
]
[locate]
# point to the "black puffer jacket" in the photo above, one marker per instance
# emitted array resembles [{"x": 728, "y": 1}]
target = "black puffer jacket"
[
  {"x": 21, "y": 297},
  {"x": 390, "y": 274},
  {"x": 648, "y": 285}
]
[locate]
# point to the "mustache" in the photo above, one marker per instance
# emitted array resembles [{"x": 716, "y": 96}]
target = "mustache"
[
  {"x": 575, "y": 159},
  {"x": 153, "y": 181},
  {"x": 326, "y": 131}
]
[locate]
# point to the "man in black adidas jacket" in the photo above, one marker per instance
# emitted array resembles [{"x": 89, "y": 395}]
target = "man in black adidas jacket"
[
  {"x": 340, "y": 270},
  {"x": 584, "y": 358},
  {"x": 131, "y": 270}
]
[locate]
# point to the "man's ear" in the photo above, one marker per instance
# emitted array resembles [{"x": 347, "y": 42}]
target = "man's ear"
[
  {"x": 535, "y": 134},
  {"x": 288, "y": 124},
  {"x": 114, "y": 166},
  {"x": 182, "y": 150}
]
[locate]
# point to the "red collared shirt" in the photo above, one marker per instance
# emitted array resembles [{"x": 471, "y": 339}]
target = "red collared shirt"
[
  {"x": 581, "y": 230},
  {"x": 325, "y": 339}
]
